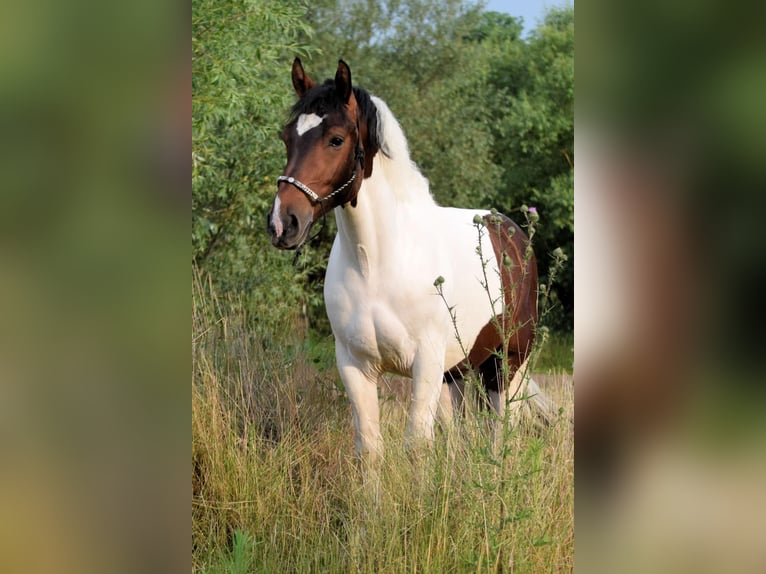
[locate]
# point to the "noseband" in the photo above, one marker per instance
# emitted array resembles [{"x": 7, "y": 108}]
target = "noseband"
[
  {"x": 314, "y": 196},
  {"x": 310, "y": 192}
]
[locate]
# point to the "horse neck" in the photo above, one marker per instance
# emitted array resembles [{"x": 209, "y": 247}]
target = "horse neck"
[
  {"x": 384, "y": 199},
  {"x": 363, "y": 225}
]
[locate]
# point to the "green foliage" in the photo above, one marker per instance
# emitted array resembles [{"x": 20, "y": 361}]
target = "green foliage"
[
  {"x": 240, "y": 96},
  {"x": 532, "y": 92},
  {"x": 240, "y": 560},
  {"x": 556, "y": 354}
]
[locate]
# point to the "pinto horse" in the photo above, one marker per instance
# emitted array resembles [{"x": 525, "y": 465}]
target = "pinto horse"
[{"x": 405, "y": 290}]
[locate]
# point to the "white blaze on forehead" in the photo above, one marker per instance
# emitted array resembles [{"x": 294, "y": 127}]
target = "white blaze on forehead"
[
  {"x": 306, "y": 122},
  {"x": 276, "y": 220}
]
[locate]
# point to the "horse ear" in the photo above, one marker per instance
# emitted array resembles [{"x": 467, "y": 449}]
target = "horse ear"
[
  {"x": 301, "y": 80},
  {"x": 343, "y": 81}
]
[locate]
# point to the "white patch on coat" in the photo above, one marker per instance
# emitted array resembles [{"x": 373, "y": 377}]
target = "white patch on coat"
[
  {"x": 276, "y": 220},
  {"x": 307, "y": 122}
]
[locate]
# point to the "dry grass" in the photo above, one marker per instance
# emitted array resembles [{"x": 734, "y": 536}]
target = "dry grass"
[{"x": 275, "y": 486}]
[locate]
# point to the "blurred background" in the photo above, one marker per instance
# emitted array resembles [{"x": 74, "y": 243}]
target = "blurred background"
[
  {"x": 670, "y": 270},
  {"x": 95, "y": 102}
]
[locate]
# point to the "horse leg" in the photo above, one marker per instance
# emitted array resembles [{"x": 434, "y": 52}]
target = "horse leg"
[
  {"x": 426, "y": 392},
  {"x": 517, "y": 388},
  {"x": 491, "y": 377},
  {"x": 445, "y": 413},
  {"x": 451, "y": 399},
  {"x": 362, "y": 389},
  {"x": 504, "y": 399}
]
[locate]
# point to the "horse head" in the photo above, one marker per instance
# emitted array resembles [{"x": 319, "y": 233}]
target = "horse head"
[{"x": 331, "y": 138}]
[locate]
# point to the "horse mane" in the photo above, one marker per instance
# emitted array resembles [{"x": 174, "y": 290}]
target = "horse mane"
[
  {"x": 410, "y": 182},
  {"x": 384, "y": 134}
]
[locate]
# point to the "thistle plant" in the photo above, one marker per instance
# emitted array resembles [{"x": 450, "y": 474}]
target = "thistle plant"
[{"x": 499, "y": 455}]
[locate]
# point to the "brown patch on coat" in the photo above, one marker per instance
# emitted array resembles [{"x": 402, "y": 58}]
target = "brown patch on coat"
[{"x": 519, "y": 317}]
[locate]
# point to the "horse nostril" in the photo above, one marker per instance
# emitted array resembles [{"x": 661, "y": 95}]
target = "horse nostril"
[{"x": 293, "y": 221}]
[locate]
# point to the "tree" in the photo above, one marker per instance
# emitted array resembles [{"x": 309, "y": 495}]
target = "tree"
[
  {"x": 240, "y": 93},
  {"x": 532, "y": 93}
]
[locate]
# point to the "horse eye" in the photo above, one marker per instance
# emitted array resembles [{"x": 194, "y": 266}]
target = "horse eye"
[{"x": 336, "y": 141}]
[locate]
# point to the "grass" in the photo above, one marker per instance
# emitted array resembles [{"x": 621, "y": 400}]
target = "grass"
[
  {"x": 556, "y": 354},
  {"x": 276, "y": 488}
]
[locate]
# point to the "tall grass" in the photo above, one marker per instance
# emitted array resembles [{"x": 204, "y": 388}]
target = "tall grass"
[{"x": 276, "y": 488}]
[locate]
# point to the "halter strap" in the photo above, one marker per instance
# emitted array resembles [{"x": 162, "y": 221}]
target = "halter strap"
[
  {"x": 310, "y": 192},
  {"x": 313, "y": 196}
]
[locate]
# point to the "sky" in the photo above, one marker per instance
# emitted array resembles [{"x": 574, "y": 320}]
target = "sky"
[{"x": 530, "y": 10}]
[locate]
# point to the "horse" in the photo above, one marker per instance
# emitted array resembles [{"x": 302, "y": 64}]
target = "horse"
[{"x": 411, "y": 287}]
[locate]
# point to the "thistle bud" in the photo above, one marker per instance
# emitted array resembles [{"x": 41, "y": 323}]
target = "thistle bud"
[{"x": 439, "y": 281}]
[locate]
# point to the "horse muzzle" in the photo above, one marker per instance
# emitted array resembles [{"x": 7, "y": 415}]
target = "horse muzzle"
[{"x": 286, "y": 229}]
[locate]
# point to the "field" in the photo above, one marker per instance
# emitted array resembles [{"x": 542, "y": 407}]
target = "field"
[{"x": 276, "y": 488}]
